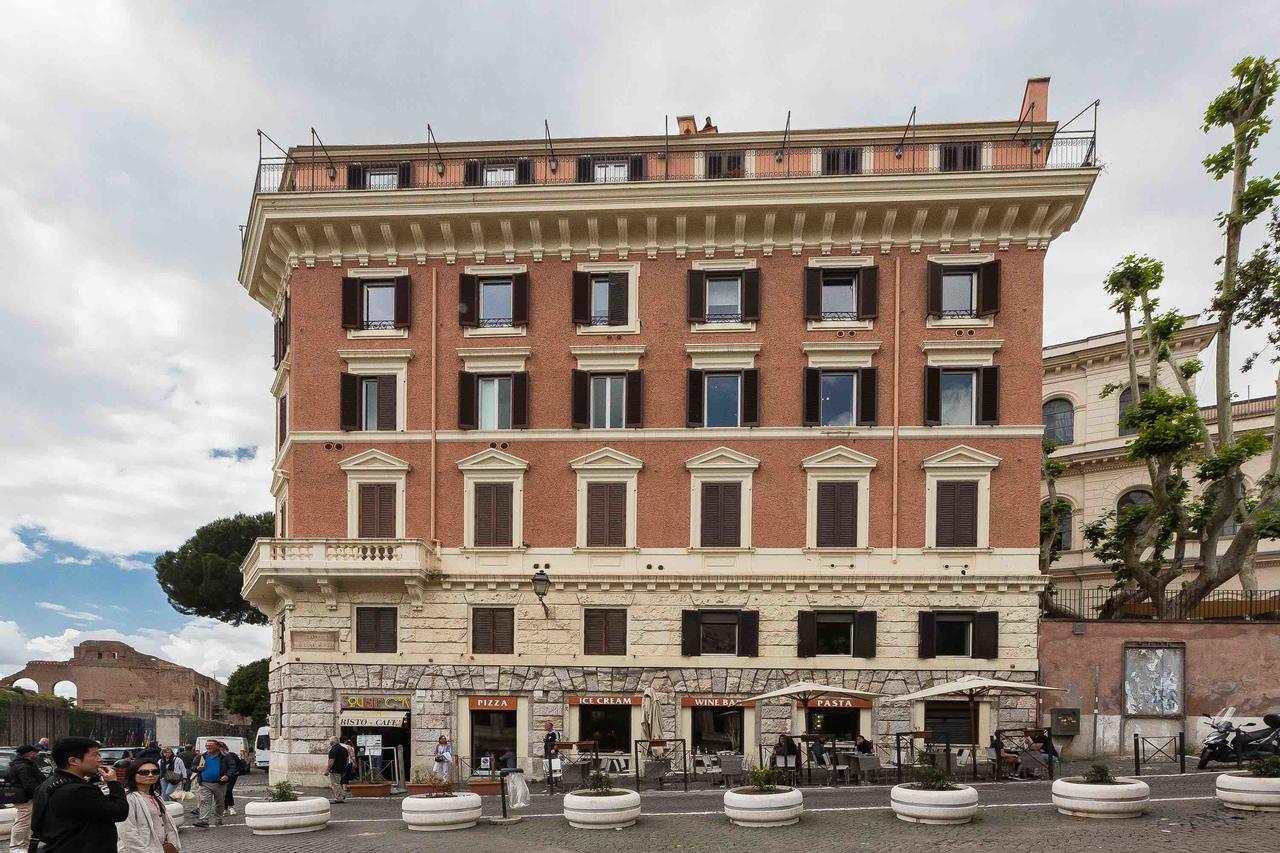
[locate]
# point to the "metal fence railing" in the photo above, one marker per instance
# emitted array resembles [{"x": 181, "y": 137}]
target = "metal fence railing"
[{"x": 1228, "y": 605}]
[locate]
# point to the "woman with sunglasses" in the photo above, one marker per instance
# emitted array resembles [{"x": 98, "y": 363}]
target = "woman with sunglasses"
[{"x": 148, "y": 828}]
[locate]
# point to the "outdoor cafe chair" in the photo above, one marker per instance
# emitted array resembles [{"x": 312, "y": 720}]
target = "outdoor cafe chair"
[{"x": 731, "y": 767}]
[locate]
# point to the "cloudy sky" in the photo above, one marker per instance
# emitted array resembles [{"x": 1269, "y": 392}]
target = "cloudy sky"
[{"x": 137, "y": 371}]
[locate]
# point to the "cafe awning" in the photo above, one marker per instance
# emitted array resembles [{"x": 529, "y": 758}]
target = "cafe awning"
[{"x": 807, "y": 691}]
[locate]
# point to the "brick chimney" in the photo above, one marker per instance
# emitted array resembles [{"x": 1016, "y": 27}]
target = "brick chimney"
[
  {"x": 688, "y": 126},
  {"x": 1037, "y": 92}
]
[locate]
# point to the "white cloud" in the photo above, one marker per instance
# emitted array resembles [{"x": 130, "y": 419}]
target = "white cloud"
[
  {"x": 67, "y": 560},
  {"x": 68, "y": 613},
  {"x": 13, "y": 549},
  {"x": 130, "y": 565}
]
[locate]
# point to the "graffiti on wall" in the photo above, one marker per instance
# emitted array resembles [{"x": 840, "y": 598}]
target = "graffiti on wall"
[{"x": 1153, "y": 681}]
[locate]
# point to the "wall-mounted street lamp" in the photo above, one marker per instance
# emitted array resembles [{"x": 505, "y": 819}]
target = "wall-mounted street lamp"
[{"x": 541, "y": 583}]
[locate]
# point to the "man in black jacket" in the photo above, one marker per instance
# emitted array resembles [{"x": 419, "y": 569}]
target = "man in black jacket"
[
  {"x": 24, "y": 773},
  {"x": 77, "y": 809}
]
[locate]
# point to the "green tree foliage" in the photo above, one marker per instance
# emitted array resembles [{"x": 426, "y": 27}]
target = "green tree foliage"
[
  {"x": 202, "y": 578},
  {"x": 247, "y": 693}
]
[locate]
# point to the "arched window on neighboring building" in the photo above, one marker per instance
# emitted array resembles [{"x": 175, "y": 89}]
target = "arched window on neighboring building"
[
  {"x": 1059, "y": 421},
  {"x": 1065, "y": 526},
  {"x": 1134, "y": 497},
  {"x": 1127, "y": 400}
]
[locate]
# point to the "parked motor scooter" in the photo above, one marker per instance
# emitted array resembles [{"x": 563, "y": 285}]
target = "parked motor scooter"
[{"x": 1229, "y": 743}]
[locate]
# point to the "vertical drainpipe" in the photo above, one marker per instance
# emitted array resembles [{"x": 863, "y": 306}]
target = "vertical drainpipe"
[
  {"x": 434, "y": 318},
  {"x": 897, "y": 338}
]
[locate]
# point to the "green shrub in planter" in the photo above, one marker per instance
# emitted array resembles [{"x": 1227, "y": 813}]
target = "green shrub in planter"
[
  {"x": 1267, "y": 768},
  {"x": 1098, "y": 774},
  {"x": 282, "y": 792}
]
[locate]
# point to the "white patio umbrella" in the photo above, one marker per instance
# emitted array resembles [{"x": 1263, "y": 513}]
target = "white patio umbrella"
[{"x": 806, "y": 691}]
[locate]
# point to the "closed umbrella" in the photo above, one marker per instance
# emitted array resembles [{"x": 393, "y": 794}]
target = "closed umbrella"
[{"x": 651, "y": 715}]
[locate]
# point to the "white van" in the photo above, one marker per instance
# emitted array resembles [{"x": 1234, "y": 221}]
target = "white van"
[
  {"x": 262, "y": 748},
  {"x": 234, "y": 744}
]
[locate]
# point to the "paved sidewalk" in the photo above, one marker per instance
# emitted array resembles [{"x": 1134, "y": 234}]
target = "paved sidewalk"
[{"x": 1016, "y": 817}]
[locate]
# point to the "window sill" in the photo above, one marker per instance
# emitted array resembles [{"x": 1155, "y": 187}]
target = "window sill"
[
  {"x": 702, "y": 549},
  {"x": 370, "y": 433},
  {"x": 494, "y": 332},
  {"x": 632, "y": 328},
  {"x": 605, "y": 549},
  {"x": 959, "y": 550},
  {"x": 367, "y": 334},
  {"x": 497, "y": 549},
  {"x": 821, "y": 552},
  {"x": 959, "y": 322},
  {"x": 833, "y": 325},
  {"x": 699, "y": 328}
]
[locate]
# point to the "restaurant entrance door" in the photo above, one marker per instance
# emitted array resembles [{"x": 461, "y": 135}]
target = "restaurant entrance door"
[
  {"x": 376, "y": 735},
  {"x": 833, "y": 723},
  {"x": 608, "y": 725},
  {"x": 493, "y": 740}
]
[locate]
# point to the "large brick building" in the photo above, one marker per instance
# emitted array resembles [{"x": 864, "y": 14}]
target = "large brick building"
[{"x": 562, "y": 424}]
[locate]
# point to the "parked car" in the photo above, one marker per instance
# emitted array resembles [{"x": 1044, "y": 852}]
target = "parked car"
[
  {"x": 235, "y": 744},
  {"x": 119, "y": 757},
  {"x": 7, "y": 754},
  {"x": 262, "y": 748}
]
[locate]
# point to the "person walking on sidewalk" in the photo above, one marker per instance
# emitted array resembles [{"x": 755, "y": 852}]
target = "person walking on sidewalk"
[
  {"x": 336, "y": 768},
  {"x": 24, "y": 773},
  {"x": 232, "y": 761},
  {"x": 148, "y": 828},
  {"x": 212, "y": 774},
  {"x": 173, "y": 771},
  {"x": 76, "y": 810}
]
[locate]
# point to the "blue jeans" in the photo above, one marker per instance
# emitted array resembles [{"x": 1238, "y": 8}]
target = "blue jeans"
[{"x": 167, "y": 789}]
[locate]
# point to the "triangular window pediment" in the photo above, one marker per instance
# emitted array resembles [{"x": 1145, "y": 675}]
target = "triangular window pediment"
[
  {"x": 839, "y": 457},
  {"x": 722, "y": 458},
  {"x": 373, "y": 460},
  {"x": 961, "y": 456},
  {"x": 606, "y": 458},
  {"x": 492, "y": 459}
]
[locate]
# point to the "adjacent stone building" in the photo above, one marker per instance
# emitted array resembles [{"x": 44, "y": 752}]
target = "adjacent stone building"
[{"x": 562, "y": 426}]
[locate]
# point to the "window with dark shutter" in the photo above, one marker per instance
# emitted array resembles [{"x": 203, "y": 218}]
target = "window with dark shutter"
[
  {"x": 635, "y": 399},
  {"x": 989, "y": 289},
  {"x": 377, "y": 508},
  {"x": 493, "y": 525},
  {"x": 282, "y": 420},
  {"x": 864, "y": 634},
  {"x": 606, "y": 515},
  {"x": 812, "y": 397},
  {"x": 468, "y": 301},
  {"x": 403, "y": 293},
  {"x": 933, "y": 298},
  {"x": 349, "y": 402},
  {"x": 471, "y": 173},
  {"x": 493, "y": 631},
  {"x": 751, "y": 397},
  {"x": 806, "y": 634},
  {"x": 749, "y": 633},
  {"x": 586, "y": 171},
  {"x": 580, "y": 399},
  {"x": 604, "y": 631},
  {"x": 351, "y": 303},
  {"x": 520, "y": 299},
  {"x": 524, "y": 171},
  {"x": 986, "y": 634},
  {"x": 932, "y": 396},
  {"x": 721, "y": 515},
  {"x": 690, "y": 633},
  {"x": 693, "y": 399},
  {"x": 386, "y": 402},
  {"x": 956, "y": 511},
  {"x": 926, "y": 637},
  {"x": 750, "y": 295},
  {"x": 867, "y": 399},
  {"x": 375, "y": 630},
  {"x": 520, "y": 400},
  {"x": 619, "y": 296},
  {"x": 581, "y": 298},
  {"x": 813, "y": 293},
  {"x": 697, "y": 293},
  {"x": 837, "y": 521},
  {"x": 989, "y": 395},
  {"x": 868, "y": 293},
  {"x": 467, "y": 400}
]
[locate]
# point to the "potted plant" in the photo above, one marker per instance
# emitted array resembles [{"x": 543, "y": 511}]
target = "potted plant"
[
  {"x": 428, "y": 783},
  {"x": 600, "y": 805},
  {"x": 763, "y": 802},
  {"x": 370, "y": 784},
  {"x": 1099, "y": 794},
  {"x": 439, "y": 809},
  {"x": 933, "y": 798},
  {"x": 285, "y": 813},
  {"x": 1256, "y": 789}
]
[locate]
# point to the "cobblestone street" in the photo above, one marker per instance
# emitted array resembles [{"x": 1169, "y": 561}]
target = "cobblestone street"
[{"x": 1016, "y": 816}]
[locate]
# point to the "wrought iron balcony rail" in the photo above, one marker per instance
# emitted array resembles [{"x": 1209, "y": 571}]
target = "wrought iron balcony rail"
[
  {"x": 315, "y": 170},
  {"x": 1231, "y": 605}
]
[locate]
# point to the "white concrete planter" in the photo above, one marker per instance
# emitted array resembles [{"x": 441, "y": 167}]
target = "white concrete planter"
[
  {"x": 919, "y": 806},
  {"x": 747, "y": 807},
  {"x": 615, "y": 810},
  {"x": 7, "y": 817},
  {"x": 1243, "y": 790},
  {"x": 177, "y": 813},
  {"x": 1126, "y": 798},
  {"x": 424, "y": 813},
  {"x": 306, "y": 814}
]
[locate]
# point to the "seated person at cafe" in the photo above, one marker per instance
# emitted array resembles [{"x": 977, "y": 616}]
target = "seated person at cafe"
[
  {"x": 1042, "y": 740},
  {"x": 863, "y": 745},
  {"x": 1007, "y": 758},
  {"x": 818, "y": 751},
  {"x": 785, "y": 748}
]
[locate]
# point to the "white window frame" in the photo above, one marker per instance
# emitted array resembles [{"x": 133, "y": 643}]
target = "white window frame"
[
  {"x": 973, "y": 395},
  {"x": 706, "y": 399},
  {"x": 608, "y": 163},
  {"x": 392, "y": 171},
  {"x": 965, "y": 616},
  {"x": 839, "y": 464},
  {"x": 375, "y": 275},
  {"x": 621, "y": 380},
  {"x": 961, "y": 462},
  {"x": 969, "y": 260},
  {"x": 721, "y": 465},
  {"x": 853, "y": 397},
  {"x": 381, "y": 284},
  {"x": 496, "y": 382},
  {"x": 374, "y": 466},
  {"x": 280, "y": 493},
  {"x": 382, "y": 362},
  {"x": 495, "y": 174},
  {"x": 736, "y": 631},
  {"x": 632, "y": 269},
  {"x": 483, "y": 271},
  {"x": 606, "y": 465},
  {"x": 492, "y": 466},
  {"x": 727, "y": 265},
  {"x": 853, "y": 263}
]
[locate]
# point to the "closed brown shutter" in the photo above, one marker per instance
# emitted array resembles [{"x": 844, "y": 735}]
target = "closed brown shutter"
[
  {"x": 751, "y": 397},
  {"x": 403, "y": 304},
  {"x": 467, "y": 400},
  {"x": 615, "y": 632},
  {"x": 386, "y": 524},
  {"x": 750, "y": 295},
  {"x": 812, "y": 293},
  {"x": 989, "y": 289},
  {"x": 986, "y": 635},
  {"x": 367, "y": 523},
  {"x": 349, "y": 402},
  {"x": 749, "y": 633},
  {"x": 925, "y": 635},
  {"x": 593, "y": 632},
  {"x": 386, "y": 402},
  {"x": 989, "y": 395},
  {"x": 864, "y": 634},
  {"x": 932, "y": 396},
  {"x": 619, "y": 295},
  {"x": 586, "y": 171},
  {"x": 482, "y": 631},
  {"x": 580, "y": 399},
  {"x": 721, "y": 515},
  {"x": 806, "y": 634},
  {"x": 504, "y": 631},
  {"x": 282, "y": 420},
  {"x": 693, "y": 398},
  {"x": 404, "y": 175},
  {"x": 812, "y": 409},
  {"x": 468, "y": 301},
  {"x": 868, "y": 293},
  {"x": 635, "y": 167},
  {"x": 355, "y": 176},
  {"x": 867, "y": 397},
  {"x": 492, "y": 502},
  {"x": 957, "y": 514},
  {"x": 635, "y": 399},
  {"x": 519, "y": 401},
  {"x": 933, "y": 300},
  {"x": 277, "y": 352},
  {"x": 582, "y": 298},
  {"x": 945, "y": 515},
  {"x": 350, "y": 303},
  {"x": 376, "y": 630},
  {"x": 502, "y": 519},
  {"x": 471, "y": 173},
  {"x": 837, "y": 521},
  {"x": 520, "y": 299},
  {"x": 606, "y": 515},
  {"x": 710, "y": 515},
  {"x": 524, "y": 171},
  {"x": 697, "y": 296},
  {"x": 690, "y": 633}
]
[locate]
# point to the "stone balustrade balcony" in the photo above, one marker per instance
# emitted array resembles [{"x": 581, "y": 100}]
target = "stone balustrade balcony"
[{"x": 279, "y": 568}]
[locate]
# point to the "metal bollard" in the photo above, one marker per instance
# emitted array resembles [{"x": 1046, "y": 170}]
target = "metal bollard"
[{"x": 1137, "y": 755}]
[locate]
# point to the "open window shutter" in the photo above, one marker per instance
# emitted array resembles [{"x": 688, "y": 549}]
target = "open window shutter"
[
  {"x": 864, "y": 634},
  {"x": 502, "y": 505},
  {"x": 867, "y": 396},
  {"x": 586, "y": 171},
  {"x": 386, "y": 526},
  {"x": 350, "y": 303},
  {"x": 712, "y": 517},
  {"x": 582, "y": 298},
  {"x": 471, "y": 173},
  {"x": 278, "y": 349},
  {"x": 580, "y": 399},
  {"x": 697, "y": 296},
  {"x": 812, "y": 293},
  {"x": 690, "y": 633},
  {"x": 597, "y": 515},
  {"x": 593, "y": 628},
  {"x": 749, "y": 634},
  {"x": 520, "y": 299},
  {"x": 932, "y": 396},
  {"x": 468, "y": 301},
  {"x": 868, "y": 293},
  {"x": 926, "y": 644},
  {"x": 387, "y": 403},
  {"x": 693, "y": 398},
  {"x": 635, "y": 399},
  {"x": 812, "y": 415},
  {"x": 367, "y": 521},
  {"x": 619, "y": 290},
  {"x": 402, "y": 302},
  {"x": 616, "y": 515},
  {"x": 355, "y": 176},
  {"x": 524, "y": 171},
  {"x": 806, "y": 634},
  {"x": 751, "y": 397},
  {"x": 750, "y": 295},
  {"x": 520, "y": 400},
  {"x": 989, "y": 399},
  {"x": 467, "y": 387},
  {"x": 986, "y": 634},
  {"x": 965, "y": 514},
  {"x": 933, "y": 303},
  {"x": 944, "y": 511},
  {"x": 989, "y": 289},
  {"x": 615, "y": 632},
  {"x": 404, "y": 177},
  {"x": 287, "y": 328},
  {"x": 349, "y": 402},
  {"x": 731, "y": 515},
  {"x": 636, "y": 167},
  {"x": 482, "y": 631},
  {"x": 504, "y": 631}
]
